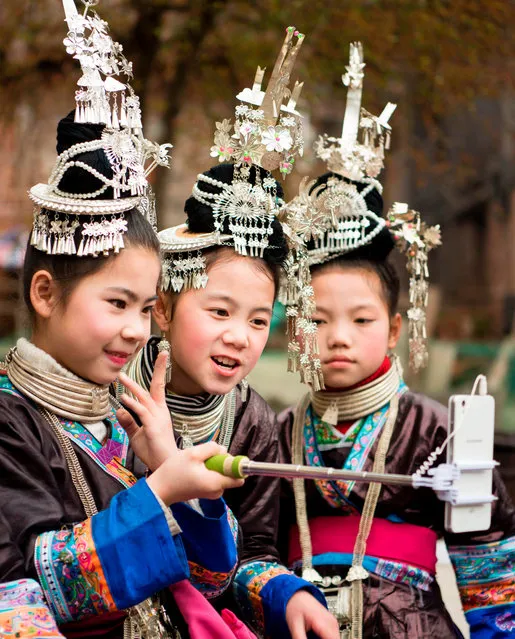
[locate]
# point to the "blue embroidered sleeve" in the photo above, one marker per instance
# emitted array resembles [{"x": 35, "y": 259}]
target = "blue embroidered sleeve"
[
  {"x": 485, "y": 575},
  {"x": 24, "y": 613},
  {"x": 263, "y": 590},
  {"x": 210, "y": 544},
  {"x": 95, "y": 566}
]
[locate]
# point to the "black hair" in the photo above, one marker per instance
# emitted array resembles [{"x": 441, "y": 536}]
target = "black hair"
[
  {"x": 200, "y": 215},
  {"x": 382, "y": 244},
  {"x": 68, "y": 270},
  {"x": 385, "y": 271}
]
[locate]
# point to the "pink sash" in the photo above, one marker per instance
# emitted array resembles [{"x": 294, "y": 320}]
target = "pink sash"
[
  {"x": 203, "y": 620},
  {"x": 404, "y": 543}
]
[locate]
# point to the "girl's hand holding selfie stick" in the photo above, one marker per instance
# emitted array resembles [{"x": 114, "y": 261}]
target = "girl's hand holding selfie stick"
[{"x": 177, "y": 475}]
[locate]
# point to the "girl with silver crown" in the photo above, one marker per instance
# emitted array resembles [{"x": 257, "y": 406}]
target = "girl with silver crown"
[
  {"x": 100, "y": 514},
  {"x": 373, "y": 549},
  {"x": 220, "y": 278}
]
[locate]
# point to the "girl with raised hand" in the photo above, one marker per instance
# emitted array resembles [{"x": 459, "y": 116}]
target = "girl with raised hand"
[
  {"x": 220, "y": 278},
  {"x": 374, "y": 551},
  {"x": 111, "y": 556}
]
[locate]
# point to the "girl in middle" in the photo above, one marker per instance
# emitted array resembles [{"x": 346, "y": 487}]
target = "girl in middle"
[{"x": 220, "y": 279}]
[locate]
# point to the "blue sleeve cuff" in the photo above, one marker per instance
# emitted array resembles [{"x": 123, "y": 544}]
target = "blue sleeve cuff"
[
  {"x": 208, "y": 538},
  {"x": 275, "y": 596},
  {"x": 138, "y": 554}
]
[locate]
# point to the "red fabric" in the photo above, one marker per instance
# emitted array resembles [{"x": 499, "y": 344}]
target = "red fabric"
[
  {"x": 406, "y": 543},
  {"x": 203, "y": 620}
]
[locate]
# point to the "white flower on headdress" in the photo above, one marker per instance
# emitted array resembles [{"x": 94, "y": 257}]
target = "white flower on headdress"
[
  {"x": 256, "y": 114},
  {"x": 288, "y": 121},
  {"x": 224, "y": 126},
  {"x": 433, "y": 236},
  {"x": 276, "y": 139},
  {"x": 411, "y": 235},
  {"x": 241, "y": 109},
  {"x": 74, "y": 43},
  {"x": 245, "y": 129},
  {"x": 247, "y": 151},
  {"x": 223, "y": 153}
]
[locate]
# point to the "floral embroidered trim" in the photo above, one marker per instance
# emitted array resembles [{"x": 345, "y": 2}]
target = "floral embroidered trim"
[
  {"x": 71, "y": 574},
  {"x": 208, "y": 582},
  {"x": 361, "y": 435},
  {"x": 485, "y": 573},
  {"x": 249, "y": 581},
  {"x": 28, "y": 622},
  {"x": 491, "y": 594},
  {"x": 111, "y": 457},
  {"x": 23, "y": 612},
  {"x": 484, "y": 563},
  {"x": 404, "y": 574}
]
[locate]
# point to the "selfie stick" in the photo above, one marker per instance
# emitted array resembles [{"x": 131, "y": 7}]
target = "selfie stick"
[{"x": 442, "y": 479}]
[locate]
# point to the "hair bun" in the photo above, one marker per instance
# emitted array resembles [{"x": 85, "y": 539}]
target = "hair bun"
[
  {"x": 77, "y": 179},
  {"x": 382, "y": 244}
]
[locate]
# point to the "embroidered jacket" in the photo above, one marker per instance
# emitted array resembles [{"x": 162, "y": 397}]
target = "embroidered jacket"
[
  {"x": 401, "y": 597},
  {"x": 91, "y": 569}
]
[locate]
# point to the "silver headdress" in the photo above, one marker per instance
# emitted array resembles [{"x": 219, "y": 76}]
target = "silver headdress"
[
  {"x": 359, "y": 152},
  {"x": 333, "y": 217},
  {"x": 101, "y": 99},
  {"x": 415, "y": 239},
  {"x": 266, "y": 136},
  {"x": 358, "y": 157}
]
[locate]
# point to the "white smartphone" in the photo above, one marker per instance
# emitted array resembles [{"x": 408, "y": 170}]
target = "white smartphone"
[{"x": 472, "y": 420}]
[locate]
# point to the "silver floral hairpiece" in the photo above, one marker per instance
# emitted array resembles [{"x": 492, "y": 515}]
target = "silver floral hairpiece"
[
  {"x": 267, "y": 134},
  {"x": 359, "y": 152},
  {"x": 301, "y": 222},
  {"x": 249, "y": 208},
  {"x": 100, "y": 99},
  {"x": 415, "y": 239}
]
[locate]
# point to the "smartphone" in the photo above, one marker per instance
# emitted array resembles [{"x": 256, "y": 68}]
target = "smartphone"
[{"x": 471, "y": 448}]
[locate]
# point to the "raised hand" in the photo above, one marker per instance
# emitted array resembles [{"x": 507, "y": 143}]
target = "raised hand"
[
  {"x": 153, "y": 441},
  {"x": 178, "y": 475}
]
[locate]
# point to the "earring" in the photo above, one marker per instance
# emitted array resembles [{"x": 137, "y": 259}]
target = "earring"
[
  {"x": 164, "y": 345},
  {"x": 244, "y": 389}
]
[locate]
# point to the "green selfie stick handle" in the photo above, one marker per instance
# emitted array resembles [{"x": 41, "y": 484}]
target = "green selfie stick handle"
[{"x": 228, "y": 465}]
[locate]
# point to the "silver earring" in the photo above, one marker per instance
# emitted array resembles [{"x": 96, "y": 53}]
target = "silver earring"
[
  {"x": 244, "y": 389},
  {"x": 164, "y": 345}
]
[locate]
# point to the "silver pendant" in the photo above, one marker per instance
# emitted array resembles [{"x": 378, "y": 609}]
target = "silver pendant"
[{"x": 187, "y": 441}]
